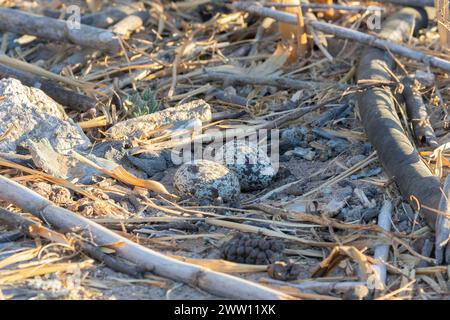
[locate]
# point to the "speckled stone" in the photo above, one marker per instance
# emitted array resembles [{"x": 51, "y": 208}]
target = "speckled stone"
[
  {"x": 208, "y": 182},
  {"x": 249, "y": 162}
]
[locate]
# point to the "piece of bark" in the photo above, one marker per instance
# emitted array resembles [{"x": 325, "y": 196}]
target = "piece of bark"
[
  {"x": 64, "y": 96},
  {"x": 345, "y": 33},
  {"x": 379, "y": 116},
  {"x": 231, "y": 98},
  {"x": 324, "y": 118},
  {"x": 214, "y": 282},
  {"x": 175, "y": 117},
  {"x": 418, "y": 113},
  {"x": 57, "y": 30}
]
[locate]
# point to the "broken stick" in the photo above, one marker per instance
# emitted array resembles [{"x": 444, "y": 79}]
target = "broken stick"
[
  {"x": 57, "y": 30},
  {"x": 345, "y": 33}
]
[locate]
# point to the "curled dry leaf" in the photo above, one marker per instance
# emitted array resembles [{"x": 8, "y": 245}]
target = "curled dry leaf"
[{"x": 123, "y": 175}]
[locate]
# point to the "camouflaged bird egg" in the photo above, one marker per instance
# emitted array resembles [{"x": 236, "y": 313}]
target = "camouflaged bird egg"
[
  {"x": 250, "y": 162},
  {"x": 207, "y": 182}
]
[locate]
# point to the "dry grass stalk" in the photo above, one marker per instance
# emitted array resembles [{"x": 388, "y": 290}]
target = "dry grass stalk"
[
  {"x": 223, "y": 266},
  {"x": 24, "y": 66},
  {"x": 40, "y": 270},
  {"x": 443, "y": 20}
]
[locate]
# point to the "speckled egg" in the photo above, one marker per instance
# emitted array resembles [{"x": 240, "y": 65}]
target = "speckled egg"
[
  {"x": 249, "y": 162},
  {"x": 208, "y": 182}
]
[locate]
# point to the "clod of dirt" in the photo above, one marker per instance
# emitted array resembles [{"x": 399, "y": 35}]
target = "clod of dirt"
[
  {"x": 249, "y": 162},
  {"x": 252, "y": 249},
  {"x": 285, "y": 270},
  {"x": 28, "y": 113},
  {"x": 173, "y": 117},
  {"x": 57, "y": 194},
  {"x": 208, "y": 182}
]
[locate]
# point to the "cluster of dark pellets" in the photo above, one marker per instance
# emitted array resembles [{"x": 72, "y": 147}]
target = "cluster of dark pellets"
[{"x": 252, "y": 249}]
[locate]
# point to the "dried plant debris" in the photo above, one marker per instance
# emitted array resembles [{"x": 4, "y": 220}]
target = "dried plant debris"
[
  {"x": 155, "y": 140},
  {"x": 250, "y": 162},
  {"x": 173, "y": 117},
  {"x": 252, "y": 249}
]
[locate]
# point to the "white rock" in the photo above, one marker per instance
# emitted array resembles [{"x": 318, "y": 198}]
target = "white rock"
[{"x": 28, "y": 113}]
